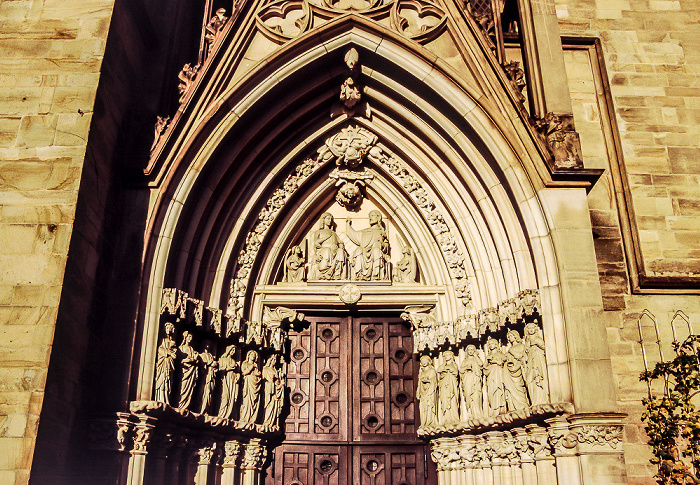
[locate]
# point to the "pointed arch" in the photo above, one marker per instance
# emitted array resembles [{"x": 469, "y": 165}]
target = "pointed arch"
[{"x": 479, "y": 163}]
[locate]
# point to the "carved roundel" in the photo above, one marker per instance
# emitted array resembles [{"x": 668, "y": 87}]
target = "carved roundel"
[
  {"x": 401, "y": 355},
  {"x": 326, "y": 465},
  {"x": 417, "y": 19},
  {"x": 326, "y": 421},
  {"x": 299, "y": 354},
  {"x": 371, "y": 333},
  {"x": 402, "y": 399},
  {"x": 327, "y": 377},
  {"x": 372, "y": 422},
  {"x": 372, "y": 464},
  {"x": 284, "y": 19},
  {"x": 297, "y": 397},
  {"x": 327, "y": 334},
  {"x": 372, "y": 377}
]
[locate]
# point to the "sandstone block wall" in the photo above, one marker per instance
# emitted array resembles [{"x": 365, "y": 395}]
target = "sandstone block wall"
[
  {"x": 50, "y": 57},
  {"x": 651, "y": 52}
]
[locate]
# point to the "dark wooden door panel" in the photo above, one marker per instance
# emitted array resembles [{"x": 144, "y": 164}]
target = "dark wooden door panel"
[{"x": 352, "y": 414}]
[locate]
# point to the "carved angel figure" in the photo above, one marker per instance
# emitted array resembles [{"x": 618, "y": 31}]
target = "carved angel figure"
[
  {"x": 513, "y": 379},
  {"x": 493, "y": 370},
  {"x": 330, "y": 259},
  {"x": 230, "y": 375},
  {"x": 427, "y": 392},
  {"x": 405, "y": 270},
  {"x": 294, "y": 265},
  {"x": 370, "y": 261},
  {"x": 165, "y": 364},
  {"x": 536, "y": 369},
  {"x": 448, "y": 389},
  {"x": 274, "y": 391},
  {"x": 210, "y": 367},
  {"x": 251, "y": 388},
  {"x": 471, "y": 372},
  {"x": 188, "y": 368}
]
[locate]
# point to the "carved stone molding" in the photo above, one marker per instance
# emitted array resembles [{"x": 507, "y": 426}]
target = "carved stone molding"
[
  {"x": 436, "y": 220},
  {"x": 526, "y": 444},
  {"x": 418, "y": 20}
]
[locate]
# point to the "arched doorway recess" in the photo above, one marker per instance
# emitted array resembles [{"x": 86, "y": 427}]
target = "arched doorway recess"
[{"x": 446, "y": 224}]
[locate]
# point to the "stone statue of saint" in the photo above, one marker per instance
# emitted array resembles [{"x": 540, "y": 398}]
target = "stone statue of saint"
[
  {"x": 513, "y": 375},
  {"x": 370, "y": 261},
  {"x": 493, "y": 370},
  {"x": 536, "y": 369},
  {"x": 427, "y": 392},
  {"x": 294, "y": 265},
  {"x": 330, "y": 259},
  {"x": 251, "y": 388},
  {"x": 406, "y": 269},
  {"x": 188, "y": 369},
  {"x": 230, "y": 375},
  {"x": 470, "y": 373},
  {"x": 165, "y": 364},
  {"x": 210, "y": 367},
  {"x": 448, "y": 389},
  {"x": 273, "y": 385}
]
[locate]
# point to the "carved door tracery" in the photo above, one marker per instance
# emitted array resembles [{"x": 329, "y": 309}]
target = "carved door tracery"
[{"x": 351, "y": 412}]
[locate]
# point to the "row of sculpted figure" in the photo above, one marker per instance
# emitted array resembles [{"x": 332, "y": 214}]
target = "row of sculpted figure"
[
  {"x": 510, "y": 378},
  {"x": 203, "y": 369},
  {"x": 331, "y": 261}
]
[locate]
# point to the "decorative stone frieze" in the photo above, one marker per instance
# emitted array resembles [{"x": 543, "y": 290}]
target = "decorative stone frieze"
[
  {"x": 418, "y": 20},
  {"x": 523, "y": 445}
]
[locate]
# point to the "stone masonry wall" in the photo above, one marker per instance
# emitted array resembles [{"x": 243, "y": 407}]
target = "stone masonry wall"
[
  {"x": 651, "y": 51},
  {"x": 50, "y": 57}
]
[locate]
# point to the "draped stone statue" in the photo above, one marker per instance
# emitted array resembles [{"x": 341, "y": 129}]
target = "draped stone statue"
[
  {"x": 165, "y": 364},
  {"x": 493, "y": 370},
  {"x": 406, "y": 269},
  {"x": 274, "y": 391},
  {"x": 448, "y": 389},
  {"x": 210, "y": 367},
  {"x": 188, "y": 369},
  {"x": 470, "y": 373},
  {"x": 536, "y": 369},
  {"x": 370, "y": 261},
  {"x": 427, "y": 392},
  {"x": 230, "y": 375},
  {"x": 294, "y": 265},
  {"x": 513, "y": 376},
  {"x": 251, "y": 388},
  {"x": 330, "y": 258}
]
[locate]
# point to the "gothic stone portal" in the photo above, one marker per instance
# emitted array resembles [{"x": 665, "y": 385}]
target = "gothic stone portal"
[{"x": 352, "y": 415}]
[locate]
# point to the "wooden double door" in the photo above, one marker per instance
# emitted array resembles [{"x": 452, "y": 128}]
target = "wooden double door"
[{"x": 351, "y": 415}]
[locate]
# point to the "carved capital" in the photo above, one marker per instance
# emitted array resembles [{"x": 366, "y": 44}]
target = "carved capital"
[
  {"x": 254, "y": 455},
  {"x": 144, "y": 430},
  {"x": 232, "y": 452},
  {"x": 207, "y": 452}
]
